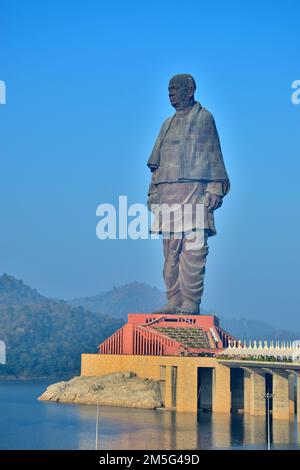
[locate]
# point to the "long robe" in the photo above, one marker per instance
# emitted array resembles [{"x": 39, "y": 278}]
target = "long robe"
[
  {"x": 177, "y": 144},
  {"x": 198, "y": 148}
]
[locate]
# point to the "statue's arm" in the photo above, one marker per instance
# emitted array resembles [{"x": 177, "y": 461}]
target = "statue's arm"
[
  {"x": 153, "y": 161},
  {"x": 215, "y": 190}
]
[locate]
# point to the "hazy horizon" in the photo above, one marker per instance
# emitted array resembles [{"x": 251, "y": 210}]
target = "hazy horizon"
[{"x": 205, "y": 309}]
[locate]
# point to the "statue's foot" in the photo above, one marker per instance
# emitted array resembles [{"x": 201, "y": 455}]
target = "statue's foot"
[
  {"x": 169, "y": 308},
  {"x": 188, "y": 308},
  {"x": 173, "y": 304}
]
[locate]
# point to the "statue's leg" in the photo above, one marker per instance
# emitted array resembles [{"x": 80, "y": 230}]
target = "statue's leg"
[
  {"x": 191, "y": 272},
  {"x": 172, "y": 248}
]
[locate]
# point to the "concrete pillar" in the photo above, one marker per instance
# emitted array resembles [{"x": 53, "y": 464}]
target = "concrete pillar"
[
  {"x": 282, "y": 431},
  {"x": 221, "y": 389},
  {"x": 168, "y": 390},
  {"x": 247, "y": 390},
  {"x": 281, "y": 395},
  {"x": 291, "y": 380},
  {"x": 187, "y": 389},
  {"x": 256, "y": 389}
]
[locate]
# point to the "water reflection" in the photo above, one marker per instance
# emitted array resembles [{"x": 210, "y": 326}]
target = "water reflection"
[
  {"x": 28, "y": 424},
  {"x": 123, "y": 428}
]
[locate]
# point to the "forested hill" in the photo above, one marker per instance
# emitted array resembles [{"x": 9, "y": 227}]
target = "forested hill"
[
  {"x": 46, "y": 337},
  {"x": 135, "y": 297}
]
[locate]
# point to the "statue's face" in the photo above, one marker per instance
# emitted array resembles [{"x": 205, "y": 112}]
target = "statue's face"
[{"x": 180, "y": 92}]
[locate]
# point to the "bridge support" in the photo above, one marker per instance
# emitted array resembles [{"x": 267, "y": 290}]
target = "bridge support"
[
  {"x": 292, "y": 394},
  {"x": 247, "y": 390},
  {"x": 281, "y": 395},
  {"x": 255, "y": 388},
  {"x": 221, "y": 389}
]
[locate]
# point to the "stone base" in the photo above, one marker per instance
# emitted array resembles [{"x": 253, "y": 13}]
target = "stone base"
[{"x": 119, "y": 389}]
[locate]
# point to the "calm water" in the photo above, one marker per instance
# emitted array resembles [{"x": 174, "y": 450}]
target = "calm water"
[{"x": 26, "y": 423}]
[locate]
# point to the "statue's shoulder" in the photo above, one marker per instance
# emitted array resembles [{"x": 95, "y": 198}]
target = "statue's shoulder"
[
  {"x": 167, "y": 121},
  {"x": 205, "y": 119},
  {"x": 205, "y": 114},
  {"x": 165, "y": 125}
]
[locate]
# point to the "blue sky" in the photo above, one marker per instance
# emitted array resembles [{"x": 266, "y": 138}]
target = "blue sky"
[{"x": 86, "y": 95}]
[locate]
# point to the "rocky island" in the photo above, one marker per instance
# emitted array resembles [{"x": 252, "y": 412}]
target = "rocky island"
[{"x": 124, "y": 389}]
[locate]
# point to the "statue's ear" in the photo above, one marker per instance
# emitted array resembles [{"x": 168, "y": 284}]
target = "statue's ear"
[{"x": 192, "y": 90}]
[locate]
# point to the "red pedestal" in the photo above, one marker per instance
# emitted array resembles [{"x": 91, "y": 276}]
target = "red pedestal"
[{"x": 171, "y": 335}]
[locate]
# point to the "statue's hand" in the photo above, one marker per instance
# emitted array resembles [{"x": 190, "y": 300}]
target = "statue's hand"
[{"x": 212, "y": 201}]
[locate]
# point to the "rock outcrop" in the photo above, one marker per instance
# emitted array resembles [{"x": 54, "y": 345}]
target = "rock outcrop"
[{"x": 118, "y": 389}]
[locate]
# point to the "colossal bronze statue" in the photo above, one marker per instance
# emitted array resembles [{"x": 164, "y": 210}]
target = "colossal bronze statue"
[{"x": 187, "y": 171}]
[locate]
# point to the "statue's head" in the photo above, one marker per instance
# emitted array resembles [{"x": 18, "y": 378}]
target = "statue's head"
[{"x": 181, "y": 91}]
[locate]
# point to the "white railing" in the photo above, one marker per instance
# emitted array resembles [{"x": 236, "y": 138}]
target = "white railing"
[{"x": 277, "y": 349}]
